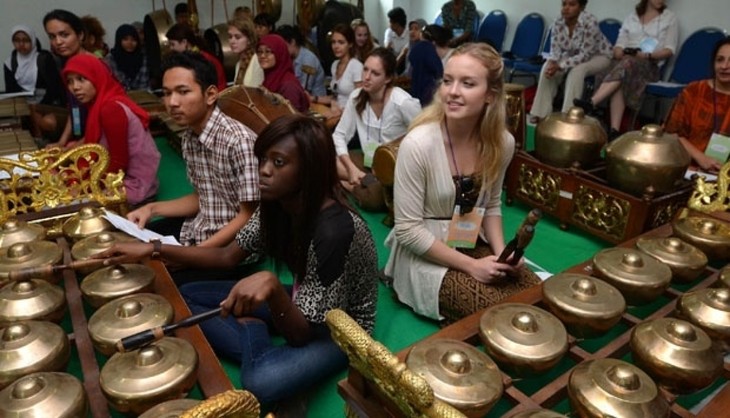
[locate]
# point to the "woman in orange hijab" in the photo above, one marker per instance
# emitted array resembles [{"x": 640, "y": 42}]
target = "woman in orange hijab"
[{"x": 115, "y": 122}]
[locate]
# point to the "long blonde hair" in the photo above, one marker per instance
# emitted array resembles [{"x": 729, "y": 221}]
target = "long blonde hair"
[{"x": 492, "y": 123}]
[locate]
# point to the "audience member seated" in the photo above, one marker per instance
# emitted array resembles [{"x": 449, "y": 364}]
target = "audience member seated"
[
  {"x": 31, "y": 69},
  {"x": 220, "y": 164},
  {"x": 117, "y": 123},
  {"x": 66, "y": 34},
  {"x": 94, "y": 36},
  {"x": 459, "y": 17},
  {"x": 264, "y": 24},
  {"x": 577, "y": 49},
  {"x": 448, "y": 177},
  {"x": 279, "y": 74},
  {"x": 243, "y": 40},
  {"x": 648, "y": 37},
  {"x": 346, "y": 71},
  {"x": 414, "y": 35},
  {"x": 305, "y": 224},
  {"x": 307, "y": 67},
  {"x": 243, "y": 12},
  {"x": 364, "y": 42},
  {"x": 182, "y": 14},
  {"x": 182, "y": 38},
  {"x": 379, "y": 113},
  {"x": 396, "y": 36},
  {"x": 426, "y": 65},
  {"x": 702, "y": 111},
  {"x": 128, "y": 61}
]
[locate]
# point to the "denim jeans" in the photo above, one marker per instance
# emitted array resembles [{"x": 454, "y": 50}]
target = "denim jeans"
[{"x": 271, "y": 372}]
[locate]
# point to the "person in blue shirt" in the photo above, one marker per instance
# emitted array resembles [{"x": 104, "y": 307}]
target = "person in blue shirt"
[{"x": 307, "y": 66}]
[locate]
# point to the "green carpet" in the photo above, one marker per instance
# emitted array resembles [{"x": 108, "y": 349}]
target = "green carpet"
[{"x": 552, "y": 249}]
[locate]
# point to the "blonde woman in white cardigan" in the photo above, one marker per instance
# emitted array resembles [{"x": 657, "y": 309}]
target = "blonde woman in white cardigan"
[{"x": 449, "y": 174}]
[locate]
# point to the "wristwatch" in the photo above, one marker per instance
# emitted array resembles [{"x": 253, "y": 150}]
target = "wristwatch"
[{"x": 156, "y": 249}]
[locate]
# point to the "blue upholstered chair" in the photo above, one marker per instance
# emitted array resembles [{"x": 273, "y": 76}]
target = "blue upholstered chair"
[
  {"x": 493, "y": 29},
  {"x": 527, "y": 40},
  {"x": 692, "y": 63}
]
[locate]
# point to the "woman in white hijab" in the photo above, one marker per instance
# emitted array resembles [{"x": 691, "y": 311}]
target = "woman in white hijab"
[{"x": 31, "y": 69}]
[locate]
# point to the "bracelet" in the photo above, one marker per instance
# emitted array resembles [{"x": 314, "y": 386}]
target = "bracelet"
[{"x": 156, "y": 249}]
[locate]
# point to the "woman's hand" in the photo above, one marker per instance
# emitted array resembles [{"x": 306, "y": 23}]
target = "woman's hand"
[
  {"x": 355, "y": 175},
  {"x": 127, "y": 252},
  {"x": 488, "y": 270},
  {"x": 551, "y": 69},
  {"x": 249, "y": 293},
  {"x": 708, "y": 163},
  {"x": 141, "y": 215}
]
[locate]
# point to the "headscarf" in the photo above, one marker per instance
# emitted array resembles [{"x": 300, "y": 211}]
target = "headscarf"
[
  {"x": 27, "y": 72},
  {"x": 283, "y": 70},
  {"x": 128, "y": 62},
  {"x": 107, "y": 89}
]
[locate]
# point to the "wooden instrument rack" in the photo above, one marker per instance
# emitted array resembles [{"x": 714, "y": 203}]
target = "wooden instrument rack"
[{"x": 366, "y": 399}]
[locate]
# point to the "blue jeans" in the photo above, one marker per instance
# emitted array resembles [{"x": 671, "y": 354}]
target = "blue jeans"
[{"x": 271, "y": 372}]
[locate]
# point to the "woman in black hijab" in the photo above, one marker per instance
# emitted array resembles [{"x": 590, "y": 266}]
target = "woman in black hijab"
[{"x": 127, "y": 59}]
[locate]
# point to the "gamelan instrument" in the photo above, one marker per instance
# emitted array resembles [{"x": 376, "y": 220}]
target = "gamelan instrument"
[
  {"x": 459, "y": 373},
  {"x": 31, "y": 299},
  {"x": 586, "y": 305},
  {"x": 143, "y": 338},
  {"x": 14, "y": 231},
  {"x": 678, "y": 355},
  {"x": 647, "y": 162},
  {"x": 708, "y": 309},
  {"x": 255, "y": 107},
  {"x": 610, "y": 387},
  {"x": 516, "y": 246},
  {"x": 29, "y": 260},
  {"x": 137, "y": 381},
  {"x": 114, "y": 282},
  {"x": 32, "y": 346},
  {"x": 570, "y": 140},
  {"x": 639, "y": 277},
  {"x": 711, "y": 236},
  {"x": 44, "y": 394},
  {"x": 523, "y": 338},
  {"x": 85, "y": 223},
  {"x": 686, "y": 261},
  {"x": 126, "y": 316}
]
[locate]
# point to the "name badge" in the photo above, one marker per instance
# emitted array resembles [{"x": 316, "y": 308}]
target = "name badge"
[
  {"x": 464, "y": 229},
  {"x": 718, "y": 147},
  {"x": 368, "y": 150},
  {"x": 76, "y": 120},
  {"x": 648, "y": 44}
]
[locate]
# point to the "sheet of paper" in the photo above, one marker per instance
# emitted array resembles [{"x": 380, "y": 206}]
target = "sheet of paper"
[
  {"x": 132, "y": 229},
  {"x": 708, "y": 176},
  {"x": 4, "y": 175}
]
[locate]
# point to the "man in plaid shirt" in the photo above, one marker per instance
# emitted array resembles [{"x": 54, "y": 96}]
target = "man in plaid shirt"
[{"x": 218, "y": 151}]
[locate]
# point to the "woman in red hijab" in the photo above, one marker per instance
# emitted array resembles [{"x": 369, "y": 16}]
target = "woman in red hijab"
[
  {"x": 279, "y": 74},
  {"x": 115, "y": 122}
]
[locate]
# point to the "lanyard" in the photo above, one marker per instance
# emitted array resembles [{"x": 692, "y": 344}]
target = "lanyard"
[
  {"x": 715, "y": 116},
  {"x": 482, "y": 194}
]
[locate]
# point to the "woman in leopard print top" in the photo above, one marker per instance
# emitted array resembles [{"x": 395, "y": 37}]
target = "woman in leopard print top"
[{"x": 305, "y": 225}]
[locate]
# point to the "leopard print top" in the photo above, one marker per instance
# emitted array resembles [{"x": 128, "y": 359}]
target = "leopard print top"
[{"x": 342, "y": 266}]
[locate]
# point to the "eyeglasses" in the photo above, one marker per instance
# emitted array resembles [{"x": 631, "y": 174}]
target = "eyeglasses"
[
  {"x": 263, "y": 52},
  {"x": 464, "y": 195}
]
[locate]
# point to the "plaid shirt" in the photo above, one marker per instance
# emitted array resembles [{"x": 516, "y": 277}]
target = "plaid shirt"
[
  {"x": 140, "y": 82},
  {"x": 223, "y": 170}
]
